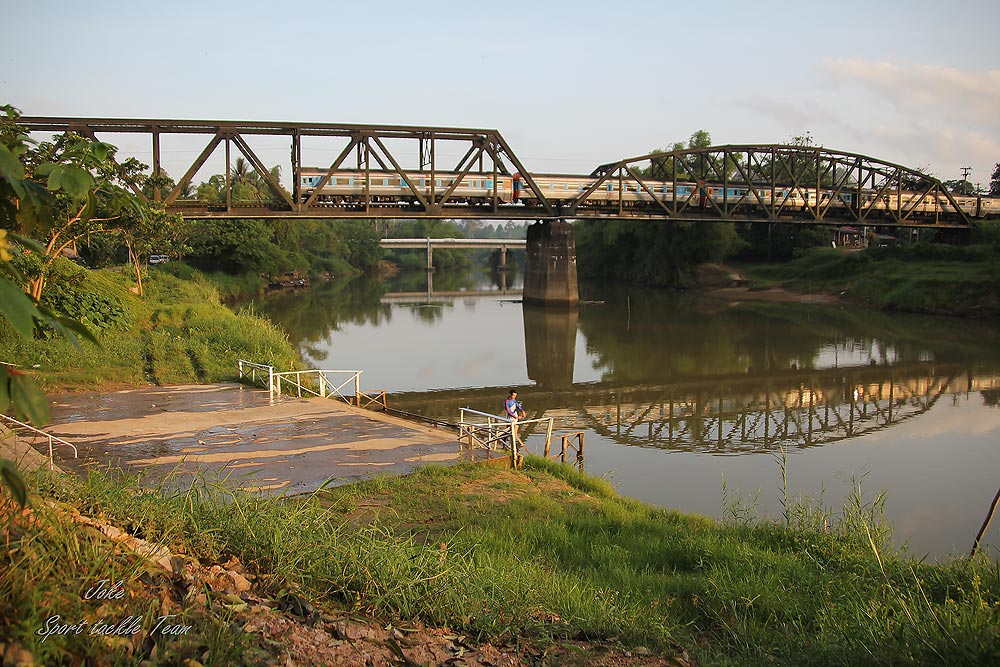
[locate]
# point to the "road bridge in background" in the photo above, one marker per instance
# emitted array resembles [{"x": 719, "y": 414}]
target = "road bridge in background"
[{"x": 503, "y": 245}]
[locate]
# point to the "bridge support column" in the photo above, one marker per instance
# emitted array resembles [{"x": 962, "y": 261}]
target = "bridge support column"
[{"x": 550, "y": 265}]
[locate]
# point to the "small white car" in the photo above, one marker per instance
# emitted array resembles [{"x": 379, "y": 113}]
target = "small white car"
[{"x": 158, "y": 259}]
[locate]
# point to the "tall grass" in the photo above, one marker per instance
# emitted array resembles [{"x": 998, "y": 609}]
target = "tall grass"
[
  {"x": 550, "y": 552},
  {"x": 178, "y": 332}
]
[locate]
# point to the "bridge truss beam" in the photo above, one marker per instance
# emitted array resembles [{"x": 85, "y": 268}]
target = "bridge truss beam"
[
  {"x": 784, "y": 183},
  {"x": 486, "y": 153},
  {"x": 775, "y": 183}
]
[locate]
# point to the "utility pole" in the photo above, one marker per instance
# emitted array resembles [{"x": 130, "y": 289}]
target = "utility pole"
[{"x": 965, "y": 179}]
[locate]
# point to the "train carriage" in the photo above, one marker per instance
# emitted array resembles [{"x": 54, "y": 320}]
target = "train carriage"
[{"x": 349, "y": 187}]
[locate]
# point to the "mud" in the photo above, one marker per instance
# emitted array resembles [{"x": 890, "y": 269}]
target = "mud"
[{"x": 236, "y": 434}]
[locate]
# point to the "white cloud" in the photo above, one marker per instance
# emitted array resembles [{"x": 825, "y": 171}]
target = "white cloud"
[
  {"x": 958, "y": 96},
  {"x": 924, "y": 116}
]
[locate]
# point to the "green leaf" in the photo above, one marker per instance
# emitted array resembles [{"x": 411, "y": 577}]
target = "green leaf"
[
  {"x": 45, "y": 169},
  {"x": 11, "y": 477},
  {"x": 4, "y": 389},
  {"x": 10, "y": 167},
  {"x": 27, "y": 242},
  {"x": 55, "y": 177},
  {"x": 66, "y": 327},
  {"x": 75, "y": 181},
  {"x": 101, "y": 150},
  {"x": 19, "y": 310},
  {"x": 29, "y": 400}
]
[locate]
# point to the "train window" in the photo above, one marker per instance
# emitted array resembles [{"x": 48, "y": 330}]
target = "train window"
[{"x": 343, "y": 181}]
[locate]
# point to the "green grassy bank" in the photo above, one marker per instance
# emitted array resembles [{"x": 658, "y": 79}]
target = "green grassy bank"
[
  {"x": 176, "y": 332},
  {"x": 924, "y": 278},
  {"x": 544, "y": 555}
]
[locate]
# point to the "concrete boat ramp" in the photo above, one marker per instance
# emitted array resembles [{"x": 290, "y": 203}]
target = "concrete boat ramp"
[{"x": 231, "y": 431}]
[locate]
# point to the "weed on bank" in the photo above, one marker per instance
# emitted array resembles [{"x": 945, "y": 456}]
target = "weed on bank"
[
  {"x": 178, "y": 331},
  {"x": 546, "y": 553}
]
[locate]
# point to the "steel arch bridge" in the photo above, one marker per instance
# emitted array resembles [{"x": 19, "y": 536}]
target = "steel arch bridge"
[
  {"x": 775, "y": 182},
  {"x": 744, "y": 183}
]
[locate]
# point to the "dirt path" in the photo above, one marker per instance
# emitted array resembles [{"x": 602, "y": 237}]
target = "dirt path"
[
  {"x": 231, "y": 430},
  {"x": 773, "y": 295}
]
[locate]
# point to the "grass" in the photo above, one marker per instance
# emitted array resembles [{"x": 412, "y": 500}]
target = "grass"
[
  {"x": 46, "y": 569},
  {"x": 178, "y": 332},
  {"x": 550, "y": 553},
  {"x": 924, "y": 278}
]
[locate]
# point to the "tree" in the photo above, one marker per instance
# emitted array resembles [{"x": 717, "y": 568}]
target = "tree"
[
  {"x": 74, "y": 188},
  {"x": 691, "y": 167},
  {"x": 23, "y": 202},
  {"x": 995, "y": 181},
  {"x": 235, "y": 246},
  {"x": 959, "y": 186}
]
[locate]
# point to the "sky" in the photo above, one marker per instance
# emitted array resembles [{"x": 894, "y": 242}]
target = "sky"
[{"x": 570, "y": 85}]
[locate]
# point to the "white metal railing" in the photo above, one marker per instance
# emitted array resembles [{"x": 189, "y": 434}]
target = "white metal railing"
[
  {"x": 310, "y": 383},
  {"x": 256, "y": 373},
  {"x": 495, "y": 430},
  {"x": 51, "y": 438},
  {"x": 322, "y": 383}
]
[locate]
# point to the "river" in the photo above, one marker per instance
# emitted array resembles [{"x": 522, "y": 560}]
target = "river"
[{"x": 690, "y": 402}]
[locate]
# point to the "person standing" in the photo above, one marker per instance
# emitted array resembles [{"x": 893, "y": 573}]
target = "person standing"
[
  {"x": 514, "y": 412},
  {"x": 513, "y": 407}
]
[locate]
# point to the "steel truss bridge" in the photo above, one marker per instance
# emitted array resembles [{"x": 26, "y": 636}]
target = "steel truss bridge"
[
  {"x": 731, "y": 415},
  {"x": 759, "y": 183}
]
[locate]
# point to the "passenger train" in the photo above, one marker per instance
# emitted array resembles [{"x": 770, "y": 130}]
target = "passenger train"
[{"x": 388, "y": 188}]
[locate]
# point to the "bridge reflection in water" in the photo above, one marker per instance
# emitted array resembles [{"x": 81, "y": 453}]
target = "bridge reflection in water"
[{"x": 722, "y": 414}]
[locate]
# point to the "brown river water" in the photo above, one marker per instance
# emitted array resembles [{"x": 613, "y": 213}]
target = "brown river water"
[{"x": 688, "y": 402}]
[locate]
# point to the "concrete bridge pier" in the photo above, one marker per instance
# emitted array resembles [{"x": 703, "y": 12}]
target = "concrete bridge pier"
[{"x": 550, "y": 265}]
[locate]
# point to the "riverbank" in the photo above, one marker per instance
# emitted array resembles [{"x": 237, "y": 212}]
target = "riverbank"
[
  {"x": 177, "y": 332},
  {"x": 960, "y": 281},
  {"x": 475, "y": 564},
  {"x": 541, "y": 566}
]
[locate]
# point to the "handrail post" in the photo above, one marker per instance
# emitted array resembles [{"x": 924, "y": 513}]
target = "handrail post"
[
  {"x": 548, "y": 438},
  {"x": 513, "y": 447},
  {"x": 357, "y": 388},
  {"x": 322, "y": 384}
]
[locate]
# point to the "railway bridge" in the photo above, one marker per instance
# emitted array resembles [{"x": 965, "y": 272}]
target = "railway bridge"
[{"x": 382, "y": 171}]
